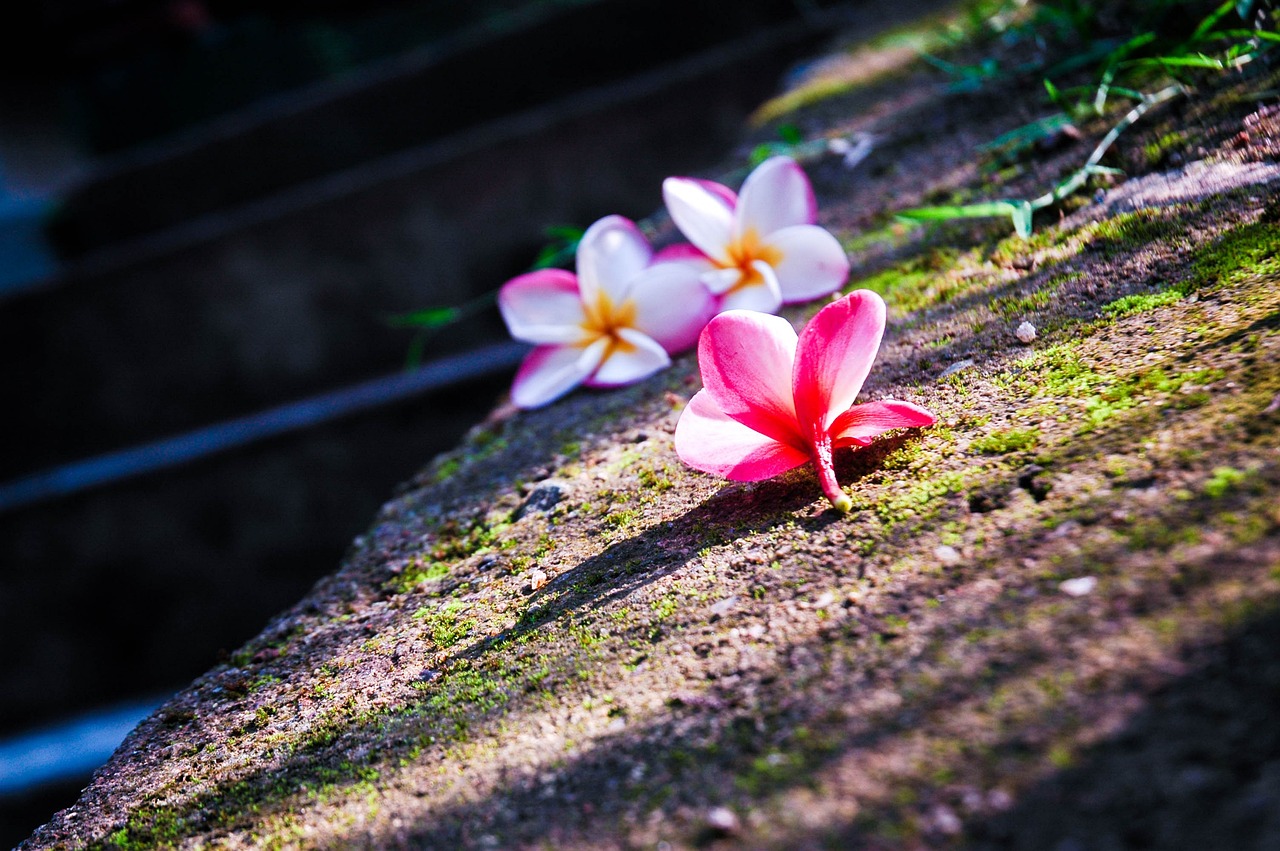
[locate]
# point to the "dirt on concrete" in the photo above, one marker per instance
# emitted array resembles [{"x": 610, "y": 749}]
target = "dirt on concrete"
[{"x": 1050, "y": 621}]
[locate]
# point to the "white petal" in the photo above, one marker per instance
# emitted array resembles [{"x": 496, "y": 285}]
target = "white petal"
[
  {"x": 672, "y": 305},
  {"x": 642, "y": 358},
  {"x": 543, "y": 307},
  {"x": 813, "y": 264},
  {"x": 611, "y": 253},
  {"x": 764, "y": 297},
  {"x": 551, "y": 371},
  {"x": 774, "y": 196},
  {"x": 720, "y": 281},
  {"x": 702, "y": 216}
]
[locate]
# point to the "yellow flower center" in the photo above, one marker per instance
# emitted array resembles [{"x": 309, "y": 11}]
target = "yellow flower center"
[
  {"x": 604, "y": 318},
  {"x": 744, "y": 252}
]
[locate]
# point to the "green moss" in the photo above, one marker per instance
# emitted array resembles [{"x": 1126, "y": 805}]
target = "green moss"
[
  {"x": 451, "y": 543},
  {"x": 1004, "y": 442},
  {"x": 444, "y": 626},
  {"x": 659, "y": 481},
  {"x": 664, "y": 607},
  {"x": 1131, "y": 231},
  {"x": 920, "y": 282},
  {"x": 1059, "y": 371},
  {"x": 1017, "y": 307},
  {"x": 1143, "y": 302},
  {"x": 1016, "y": 250},
  {"x": 1244, "y": 251},
  {"x": 1222, "y": 481},
  {"x": 1156, "y": 151},
  {"x": 771, "y": 771},
  {"x": 920, "y": 500}
]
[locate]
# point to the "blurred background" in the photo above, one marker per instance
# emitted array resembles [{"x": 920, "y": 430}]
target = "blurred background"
[{"x": 209, "y": 212}]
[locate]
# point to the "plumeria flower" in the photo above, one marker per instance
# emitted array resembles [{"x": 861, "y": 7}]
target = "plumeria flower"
[
  {"x": 615, "y": 322},
  {"x": 760, "y": 249},
  {"x": 772, "y": 401}
]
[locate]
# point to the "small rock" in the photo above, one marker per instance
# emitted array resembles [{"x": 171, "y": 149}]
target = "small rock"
[
  {"x": 1065, "y": 529},
  {"x": 757, "y": 631},
  {"x": 723, "y": 820},
  {"x": 697, "y": 700},
  {"x": 537, "y": 579},
  {"x": 1033, "y": 481},
  {"x": 1026, "y": 332},
  {"x": 824, "y": 600},
  {"x": 957, "y": 366},
  {"x": 1078, "y": 587},
  {"x": 723, "y": 607},
  {"x": 999, "y": 800},
  {"x": 543, "y": 497},
  {"x": 946, "y": 821},
  {"x": 947, "y": 554}
]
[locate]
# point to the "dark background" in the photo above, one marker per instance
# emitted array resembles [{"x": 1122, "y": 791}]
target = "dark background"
[{"x": 233, "y": 198}]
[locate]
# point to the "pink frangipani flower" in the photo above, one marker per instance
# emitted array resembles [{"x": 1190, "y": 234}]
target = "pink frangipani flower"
[
  {"x": 760, "y": 249},
  {"x": 615, "y": 322},
  {"x": 772, "y": 401}
]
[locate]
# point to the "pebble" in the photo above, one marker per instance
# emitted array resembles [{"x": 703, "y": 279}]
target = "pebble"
[
  {"x": 537, "y": 579},
  {"x": 543, "y": 498},
  {"x": 723, "y": 607},
  {"x": 946, "y": 821},
  {"x": 723, "y": 820},
  {"x": 947, "y": 554},
  {"x": 957, "y": 366},
  {"x": 1079, "y": 587},
  {"x": 1026, "y": 332}
]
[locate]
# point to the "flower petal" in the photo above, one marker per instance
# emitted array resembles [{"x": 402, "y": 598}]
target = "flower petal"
[
  {"x": 720, "y": 281},
  {"x": 861, "y": 423},
  {"x": 813, "y": 264},
  {"x": 543, "y": 307},
  {"x": 672, "y": 305},
  {"x": 774, "y": 196},
  {"x": 683, "y": 252},
  {"x": 551, "y": 371},
  {"x": 834, "y": 355},
  {"x": 640, "y": 357},
  {"x": 746, "y": 361},
  {"x": 708, "y": 440},
  {"x": 764, "y": 296},
  {"x": 611, "y": 253},
  {"x": 702, "y": 215}
]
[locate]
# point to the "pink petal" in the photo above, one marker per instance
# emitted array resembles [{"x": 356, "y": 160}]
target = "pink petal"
[
  {"x": 764, "y": 297},
  {"x": 724, "y": 193},
  {"x": 834, "y": 355},
  {"x": 551, "y": 371},
  {"x": 672, "y": 305},
  {"x": 708, "y": 440},
  {"x": 746, "y": 361},
  {"x": 611, "y": 253},
  {"x": 702, "y": 215},
  {"x": 774, "y": 196},
  {"x": 683, "y": 252},
  {"x": 861, "y": 423},
  {"x": 640, "y": 358},
  {"x": 813, "y": 263},
  {"x": 543, "y": 307}
]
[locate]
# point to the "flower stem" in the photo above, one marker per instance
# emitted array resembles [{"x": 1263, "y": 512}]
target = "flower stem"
[{"x": 827, "y": 473}]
